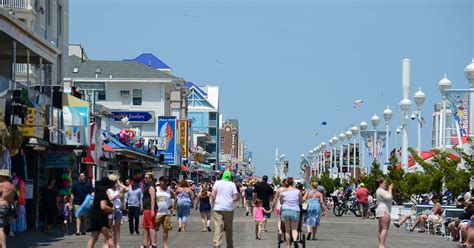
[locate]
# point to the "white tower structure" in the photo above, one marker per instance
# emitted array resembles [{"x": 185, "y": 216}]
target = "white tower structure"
[{"x": 405, "y": 105}]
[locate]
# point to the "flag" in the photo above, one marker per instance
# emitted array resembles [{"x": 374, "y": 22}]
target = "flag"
[
  {"x": 421, "y": 120},
  {"x": 393, "y": 152},
  {"x": 316, "y": 134}
]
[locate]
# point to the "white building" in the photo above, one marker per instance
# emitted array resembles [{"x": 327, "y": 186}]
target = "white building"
[
  {"x": 49, "y": 21},
  {"x": 128, "y": 89}
]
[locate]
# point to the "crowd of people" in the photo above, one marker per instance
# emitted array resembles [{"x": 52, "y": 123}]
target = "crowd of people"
[{"x": 101, "y": 210}]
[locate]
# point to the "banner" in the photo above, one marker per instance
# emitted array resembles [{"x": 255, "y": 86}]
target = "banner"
[
  {"x": 460, "y": 101},
  {"x": 167, "y": 136},
  {"x": 374, "y": 149},
  {"x": 183, "y": 136}
]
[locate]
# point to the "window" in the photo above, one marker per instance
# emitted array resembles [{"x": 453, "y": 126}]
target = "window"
[
  {"x": 101, "y": 95},
  {"x": 137, "y": 97},
  {"x": 212, "y": 132},
  {"x": 222, "y": 139}
]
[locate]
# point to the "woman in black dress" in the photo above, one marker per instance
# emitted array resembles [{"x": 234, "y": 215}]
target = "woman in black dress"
[{"x": 101, "y": 208}]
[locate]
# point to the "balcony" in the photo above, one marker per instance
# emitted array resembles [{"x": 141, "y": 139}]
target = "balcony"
[{"x": 19, "y": 4}]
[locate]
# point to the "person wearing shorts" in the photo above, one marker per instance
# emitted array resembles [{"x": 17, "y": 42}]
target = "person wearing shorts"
[
  {"x": 291, "y": 200},
  {"x": 164, "y": 197},
  {"x": 149, "y": 207}
]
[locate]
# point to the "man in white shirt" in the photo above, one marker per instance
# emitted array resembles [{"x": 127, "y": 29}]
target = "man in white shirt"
[{"x": 224, "y": 194}]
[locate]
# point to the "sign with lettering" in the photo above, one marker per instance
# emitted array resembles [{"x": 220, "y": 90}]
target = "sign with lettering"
[
  {"x": 183, "y": 137},
  {"x": 98, "y": 86},
  {"x": 34, "y": 123},
  {"x": 134, "y": 117}
]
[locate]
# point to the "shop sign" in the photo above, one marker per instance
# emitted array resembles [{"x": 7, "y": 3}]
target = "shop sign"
[
  {"x": 34, "y": 123},
  {"x": 135, "y": 117},
  {"x": 183, "y": 137},
  {"x": 58, "y": 160},
  {"x": 99, "y": 86},
  {"x": 167, "y": 135}
]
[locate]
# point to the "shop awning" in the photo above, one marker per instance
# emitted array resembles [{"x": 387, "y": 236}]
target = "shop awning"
[{"x": 185, "y": 168}]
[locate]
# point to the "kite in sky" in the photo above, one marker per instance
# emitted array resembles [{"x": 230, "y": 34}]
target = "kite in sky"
[{"x": 358, "y": 103}]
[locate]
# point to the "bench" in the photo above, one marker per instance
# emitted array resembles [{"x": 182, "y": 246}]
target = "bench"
[{"x": 452, "y": 212}]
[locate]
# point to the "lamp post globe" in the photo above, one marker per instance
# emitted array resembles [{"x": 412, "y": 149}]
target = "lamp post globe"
[
  {"x": 342, "y": 137},
  {"x": 348, "y": 136},
  {"x": 375, "y": 121},
  {"x": 420, "y": 98},
  {"x": 469, "y": 73},
  {"x": 323, "y": 146},
  {"x": 405, "y": 104},
  {"x": 387, "y": 114},
  {"x": 302, "y": 156},
  {"x": 335, "y": 140},
  {"x": 363, "y": 126},
  {"x": 354, "y": 131},
  {"x": 444, "y": 84}
]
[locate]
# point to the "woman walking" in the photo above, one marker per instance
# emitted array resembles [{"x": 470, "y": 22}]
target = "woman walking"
[
  {"x": 115, "y": 195},
  {"x": 101, "y": 208},
  {"x": 384, "y": 199},
  {"x": 276, "y": 202},
  {"x": 313, "y": 214},
  {"x": 185, "y": 203},
  {"x": 290, "y": 200},
  {"x": 204, "y": 203}
]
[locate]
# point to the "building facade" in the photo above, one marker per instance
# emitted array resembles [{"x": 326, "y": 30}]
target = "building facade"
[
  {"x": 204, "y": 118},
  {"x": 229, "y": 140}
]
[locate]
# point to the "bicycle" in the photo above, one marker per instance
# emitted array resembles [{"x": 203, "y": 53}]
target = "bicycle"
[{"x": 347, "y": 206}]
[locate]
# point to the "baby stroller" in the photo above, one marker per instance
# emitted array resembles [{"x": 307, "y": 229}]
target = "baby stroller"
[{"x": 301, "y": 236}]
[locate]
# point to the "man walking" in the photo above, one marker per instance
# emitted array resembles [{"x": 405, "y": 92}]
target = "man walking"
[
  {"x": 133, "y": 199},
  {"x": 224, "y": 194},
  {"x": 362, "y": 195},
  {"x": 149, "y": 206},
  {"x": 80, "y": 189},
  {"x": 264, "y": 192}
]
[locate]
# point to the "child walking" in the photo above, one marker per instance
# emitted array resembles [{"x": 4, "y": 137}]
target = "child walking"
[
  {"x": 65, "y": 209},
  {"x": 258, "y": 216}
]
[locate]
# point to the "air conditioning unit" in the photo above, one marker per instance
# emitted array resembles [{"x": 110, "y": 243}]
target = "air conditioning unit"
[{"x": 124, "y": 93}]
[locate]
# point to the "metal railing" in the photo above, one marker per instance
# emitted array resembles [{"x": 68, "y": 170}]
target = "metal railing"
[{"x": 21, "y": 4}]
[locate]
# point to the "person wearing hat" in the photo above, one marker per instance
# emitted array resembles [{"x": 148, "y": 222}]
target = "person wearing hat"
[
  {"x": 362, "y": 195},
  {"x": 7, "y": 193},
  {"x": 224, "y": 194}
]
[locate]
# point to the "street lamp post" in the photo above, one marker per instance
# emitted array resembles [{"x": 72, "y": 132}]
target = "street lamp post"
[
  {"x": 323, "y": 165},
  {"x": 375, "y": 122},
  {"x": 363, "y": 126},
  {"x": 342, "y": 137},
  {"x": 387, "y": 115},
  {"x": 334, "y": 141},
  {"x": 419, "y": 100},
  {"x": 331, "y": 144},
  {"x": 355, "y": 132},
  {"x": 405, "y": 105},
  {"x": 348, "y": 137},
  {"x": 444, "y": 84}
]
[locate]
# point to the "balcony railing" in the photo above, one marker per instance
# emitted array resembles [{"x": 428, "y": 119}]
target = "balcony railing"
[
  {"x": 21, "y": 4},
  {"x": 22, "y": 68}
]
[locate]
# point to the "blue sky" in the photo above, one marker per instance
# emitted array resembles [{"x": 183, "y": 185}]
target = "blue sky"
[{"x": 284, "y": 66}]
